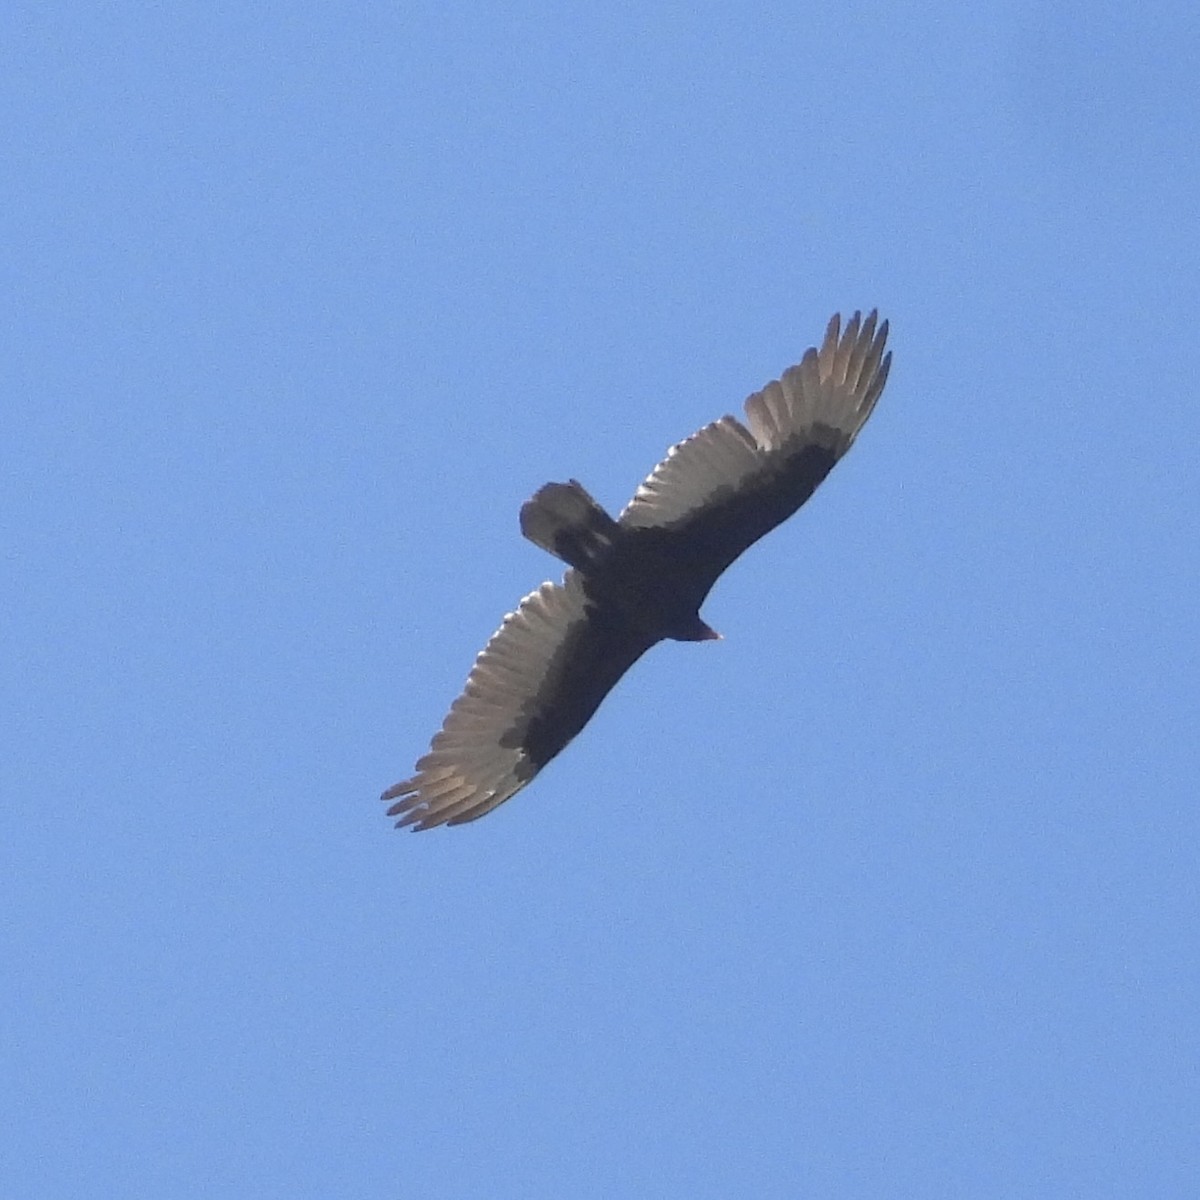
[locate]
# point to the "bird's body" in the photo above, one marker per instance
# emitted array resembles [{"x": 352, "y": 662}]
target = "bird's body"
[{"x": 639, "y": 579}]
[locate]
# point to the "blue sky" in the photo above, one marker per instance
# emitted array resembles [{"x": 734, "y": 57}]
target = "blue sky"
[{"x": 891, "y": 893}]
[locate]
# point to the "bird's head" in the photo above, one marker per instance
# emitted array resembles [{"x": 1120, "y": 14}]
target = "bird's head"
[{"x": 697, "y": 631}]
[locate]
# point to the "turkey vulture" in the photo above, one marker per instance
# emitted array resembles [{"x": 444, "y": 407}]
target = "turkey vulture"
[{"x": 639, "y": 579}]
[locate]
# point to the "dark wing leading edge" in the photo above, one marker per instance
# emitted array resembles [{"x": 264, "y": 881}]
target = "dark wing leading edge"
[
  {"x": 719, "y": 491},
  {"x": 532, "y": 689}
]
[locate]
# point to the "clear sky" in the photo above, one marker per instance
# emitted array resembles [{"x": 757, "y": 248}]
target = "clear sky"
[{"x": 893, "y": 892}]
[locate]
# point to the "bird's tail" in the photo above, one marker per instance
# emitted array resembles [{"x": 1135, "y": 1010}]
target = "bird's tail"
[{"x": 564, "y": 519}]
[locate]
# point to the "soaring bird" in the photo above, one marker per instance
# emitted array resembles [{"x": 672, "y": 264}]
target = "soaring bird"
[{"x": 639, "y": 579}]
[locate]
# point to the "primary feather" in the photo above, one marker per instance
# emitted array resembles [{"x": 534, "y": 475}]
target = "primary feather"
[{"x": 641, "y": 578}]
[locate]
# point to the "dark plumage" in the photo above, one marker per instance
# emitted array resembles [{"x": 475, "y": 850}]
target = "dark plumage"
[{"x": 639, "y": 579}]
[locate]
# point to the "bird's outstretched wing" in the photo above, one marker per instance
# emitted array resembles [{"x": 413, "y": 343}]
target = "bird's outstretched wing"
[
  {"x": 532, "y": 689},
  {"x": 719, "y": 491}
]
